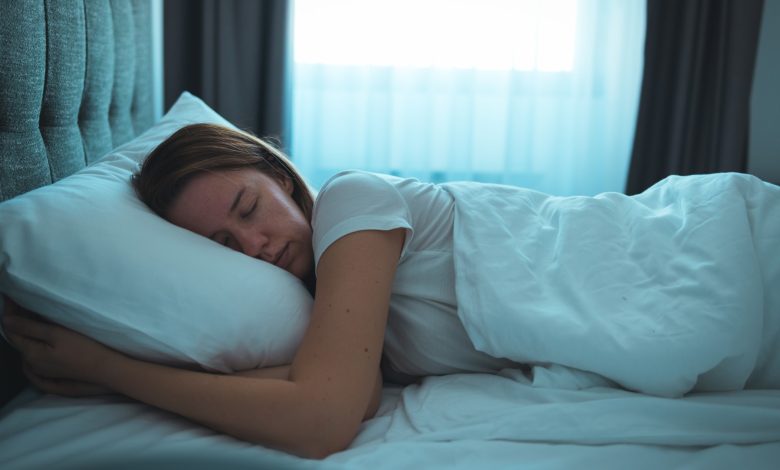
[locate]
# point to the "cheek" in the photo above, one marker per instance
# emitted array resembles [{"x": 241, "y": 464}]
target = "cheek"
[
  {"x": 306, "y": 255},
  {"x": 300, "y": 225}
]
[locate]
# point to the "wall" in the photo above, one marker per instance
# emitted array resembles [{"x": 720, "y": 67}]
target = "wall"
[{"x": 764, "y": 156}]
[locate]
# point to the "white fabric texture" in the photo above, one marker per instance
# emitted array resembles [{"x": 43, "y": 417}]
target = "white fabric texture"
[
  {"x": 457, "y": 421},
  {"x": 424, "y": 335},
  {"x": 85, "y": 252},
  {"x": 672, "y": 290}
]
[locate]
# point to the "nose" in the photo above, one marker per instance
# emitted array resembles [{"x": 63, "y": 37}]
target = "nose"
[{"x": 253, "y": 243}]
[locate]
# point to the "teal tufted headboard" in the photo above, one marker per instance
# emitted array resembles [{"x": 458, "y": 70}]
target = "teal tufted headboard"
[{"x": 76, "y": 79}]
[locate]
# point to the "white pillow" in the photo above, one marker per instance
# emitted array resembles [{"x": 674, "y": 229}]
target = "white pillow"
[{"x": 86, "y": 253}]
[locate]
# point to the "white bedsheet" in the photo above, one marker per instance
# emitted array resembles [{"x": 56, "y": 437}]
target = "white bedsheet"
[
  {"x": 675, "y": 289},
  {"x": 458, "y": 421}
]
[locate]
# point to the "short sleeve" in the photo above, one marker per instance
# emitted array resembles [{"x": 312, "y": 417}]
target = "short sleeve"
[{"x": 352, "y": 201}]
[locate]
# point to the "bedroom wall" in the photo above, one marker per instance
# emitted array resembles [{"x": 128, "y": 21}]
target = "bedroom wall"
[{"x": 764, "y": 156}]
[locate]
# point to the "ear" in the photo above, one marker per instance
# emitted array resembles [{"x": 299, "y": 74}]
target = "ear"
[{"x": 287, "y": 184}]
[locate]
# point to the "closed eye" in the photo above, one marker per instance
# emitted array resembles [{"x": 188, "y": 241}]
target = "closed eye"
[{"x": 249, "y": 212}]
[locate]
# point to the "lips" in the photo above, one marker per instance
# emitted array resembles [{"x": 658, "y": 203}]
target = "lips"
[{"x": 280, "y": 258}]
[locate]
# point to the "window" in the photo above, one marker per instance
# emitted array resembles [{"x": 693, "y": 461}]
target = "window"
[
  {"x": 444, "y": 34},
  {"x": 538, "y": 93}
]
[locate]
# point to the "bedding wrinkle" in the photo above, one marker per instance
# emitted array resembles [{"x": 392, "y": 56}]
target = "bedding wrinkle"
[
  {"x": 765, "y": 231},
  {"x": 660, "y": 292}
]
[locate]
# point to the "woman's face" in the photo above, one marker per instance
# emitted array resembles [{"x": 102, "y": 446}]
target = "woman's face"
[{"x": 249, "y": 212}]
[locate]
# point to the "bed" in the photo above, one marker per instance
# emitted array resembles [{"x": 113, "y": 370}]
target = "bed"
[{"x": 76, "y": 83}]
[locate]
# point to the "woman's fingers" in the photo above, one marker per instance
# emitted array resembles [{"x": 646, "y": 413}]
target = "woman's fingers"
[
  {"x": 28, "y": 348},
  {"x": 37, "y": 357},
  {"x": 12, "y": 308},
  {"x": 9, "y": 306},
  {"x": 68, "y": 388},
  {"x": 33, "y": 329},
  {"x": 32, "y": 377},
  {"x": 41, "y": 383},
  {"x": 57, "y": 352}
]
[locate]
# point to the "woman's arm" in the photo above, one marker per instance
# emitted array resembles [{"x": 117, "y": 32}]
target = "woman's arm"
[
  {"x": 315, "y": 413},
  {"x": 276, "y": 372},
  {"x": 331, "y": 380},
  {"x": 283, "y": 373}
]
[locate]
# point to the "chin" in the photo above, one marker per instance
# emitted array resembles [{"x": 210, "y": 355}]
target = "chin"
[
  {"x": 303, "y": 274},
  {"x": 294, "y": 269}
]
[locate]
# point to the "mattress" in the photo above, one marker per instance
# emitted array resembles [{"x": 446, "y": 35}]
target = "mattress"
[{"x": 506, "y": 420}]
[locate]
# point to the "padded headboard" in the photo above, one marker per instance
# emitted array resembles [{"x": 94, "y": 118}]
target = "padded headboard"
[{"x": 77, "y": 79}]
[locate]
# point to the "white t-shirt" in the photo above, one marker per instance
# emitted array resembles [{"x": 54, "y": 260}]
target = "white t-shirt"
[{"x": 424, "y": 334}]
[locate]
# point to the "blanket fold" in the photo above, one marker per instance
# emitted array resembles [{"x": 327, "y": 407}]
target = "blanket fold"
[{"x": 665, "y": 292}]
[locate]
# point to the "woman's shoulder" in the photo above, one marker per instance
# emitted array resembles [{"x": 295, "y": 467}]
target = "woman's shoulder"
[
  {"x": 355, "y": 200},
  {"x": 358, "y": 188},
  {"x": 358, "y": 191},
  {"x": 355, "y": 180}
]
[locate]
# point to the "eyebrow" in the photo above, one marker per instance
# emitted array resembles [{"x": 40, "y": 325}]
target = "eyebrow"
[{"x": 232, "y": 208}]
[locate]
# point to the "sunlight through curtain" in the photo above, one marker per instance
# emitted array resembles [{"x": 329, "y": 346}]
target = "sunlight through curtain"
[{"x": 534, "y": 93}]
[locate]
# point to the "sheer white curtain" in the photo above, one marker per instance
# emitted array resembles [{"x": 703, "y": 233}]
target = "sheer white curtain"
[{"x": 535, "y": 93}]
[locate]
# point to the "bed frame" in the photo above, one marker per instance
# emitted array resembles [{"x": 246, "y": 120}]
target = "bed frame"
[{"x": 78, "y": 78}]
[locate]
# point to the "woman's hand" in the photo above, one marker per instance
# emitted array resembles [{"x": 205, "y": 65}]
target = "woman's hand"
[{"x": 55, "y": 359}]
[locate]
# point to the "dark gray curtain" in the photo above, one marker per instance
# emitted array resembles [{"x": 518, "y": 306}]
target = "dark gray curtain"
[
  {"x": 233, "y": 54},
  {"x": 695, "y": 103}
]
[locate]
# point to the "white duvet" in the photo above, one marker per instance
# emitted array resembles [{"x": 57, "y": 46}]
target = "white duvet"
[{"x": 672, "y": 290}]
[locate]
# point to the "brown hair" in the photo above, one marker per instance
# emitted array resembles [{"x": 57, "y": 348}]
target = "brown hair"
[{"x": 200, "y": 148}]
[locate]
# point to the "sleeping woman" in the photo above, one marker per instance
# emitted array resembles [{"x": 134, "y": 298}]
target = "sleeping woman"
[{"x": 662, "y": 293}]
